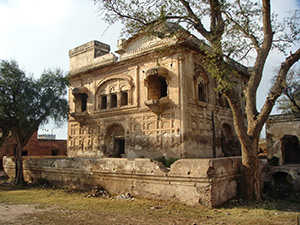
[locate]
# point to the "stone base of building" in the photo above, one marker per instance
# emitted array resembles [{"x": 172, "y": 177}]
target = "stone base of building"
[{"x": 209, "y": 182}]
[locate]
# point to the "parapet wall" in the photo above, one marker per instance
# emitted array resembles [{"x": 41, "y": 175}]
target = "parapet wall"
[{"x": 209, "y": 182}]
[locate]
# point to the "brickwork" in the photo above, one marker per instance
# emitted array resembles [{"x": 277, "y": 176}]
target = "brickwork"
[{"x": 35, "y": 147}]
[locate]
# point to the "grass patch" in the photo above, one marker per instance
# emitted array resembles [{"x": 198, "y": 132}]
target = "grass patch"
[{"x": 74, "y": 207}]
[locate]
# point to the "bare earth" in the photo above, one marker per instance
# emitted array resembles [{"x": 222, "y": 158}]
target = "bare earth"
[
  {"x": 35, "y": 205},
  {"x": 9, "y": 214}
]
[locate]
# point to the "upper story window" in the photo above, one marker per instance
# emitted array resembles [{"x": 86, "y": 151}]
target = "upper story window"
[
  {"x": 157, "y": 87},
  {"x": 156, "y": 81},
  {"x": 201, "y": 83},
  {"x": 113, "y": 93},
  {"x": 113, "y": 100},
  {"x": 103, "y": 102},
  {"x": 80, "y": 98},
  {"x": 201, "y": 93},
  {"x": 124, "y": 98},
  {"x": 201, "y": 88}
]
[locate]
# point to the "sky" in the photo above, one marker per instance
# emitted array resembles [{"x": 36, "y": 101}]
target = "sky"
[{"x": 39, "y": 33}]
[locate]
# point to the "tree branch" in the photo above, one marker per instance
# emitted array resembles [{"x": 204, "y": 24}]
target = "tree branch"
[
  {"x": 197, "y": 22},
  {"x": 256, "y": 74},
  {"x": 277, "y": 88}
]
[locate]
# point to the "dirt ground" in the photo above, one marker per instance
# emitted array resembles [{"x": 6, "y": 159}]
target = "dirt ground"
[
  {"x": 9, "y": 214},
  {"x": 38, "y": 205}
]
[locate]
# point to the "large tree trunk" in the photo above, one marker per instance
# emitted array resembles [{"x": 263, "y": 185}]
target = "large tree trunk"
[
  {"x": 19, "y": 177},
  {"x": 251, "y": 170}
]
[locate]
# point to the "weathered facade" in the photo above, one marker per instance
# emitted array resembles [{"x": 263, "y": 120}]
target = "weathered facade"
[
  {"x": 155, "y": 100},
  {"x": 283, "y": 135},
  {"x": 209, "y": 182}
]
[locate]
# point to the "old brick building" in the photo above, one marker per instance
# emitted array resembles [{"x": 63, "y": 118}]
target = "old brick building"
[
  {"x": 35, "y": 147},
  {"x": 283, "y": 150},
  {"x": 154, "y": 99},
  {"x": 283, "y": 134}
]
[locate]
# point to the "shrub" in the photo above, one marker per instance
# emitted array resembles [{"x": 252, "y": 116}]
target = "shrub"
[
  {"x": 167, "y": 162},
  {"x": 274, "y": 161}
]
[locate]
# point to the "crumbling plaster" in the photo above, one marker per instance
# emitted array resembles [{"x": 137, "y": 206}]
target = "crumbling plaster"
[
  {"x": 179, "y": 124},
  {"x": 209, "y": 182}
]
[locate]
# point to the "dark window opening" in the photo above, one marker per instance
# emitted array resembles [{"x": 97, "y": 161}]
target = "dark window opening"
[
  {"x": 201, "y": 93},
  {"x": 119, "y": 146},
  {"x": 163, "y": 87},
  {"x": 290, "y": 149},
  {"x": 113, "y": 100},
  {"x": 157, "y": 87},
  {"x": 103, "y": 102},
  {"x": 24, "y": 153},
  {"x": 124, "y": 98},
  {"x": 83, "y": 102},
  {"x": 54, "y": 152}
]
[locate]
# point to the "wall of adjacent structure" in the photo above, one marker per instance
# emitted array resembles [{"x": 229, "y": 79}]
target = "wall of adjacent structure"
[
  {"x": 34, "y": 147},
  {"x": 277, "y": 127},
  {"x": 209, "y": 182}
]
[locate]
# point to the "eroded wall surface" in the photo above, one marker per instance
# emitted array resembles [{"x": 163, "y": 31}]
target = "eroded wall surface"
[
  {"x": 156, "y": 100},
  {"x": 283, "y": 135},
  {"x": 209, "y": 182},
  {"x": 283, "y": 145}
]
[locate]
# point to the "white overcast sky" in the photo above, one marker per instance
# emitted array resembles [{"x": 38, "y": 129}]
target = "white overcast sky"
[{"x": 39, "y": 34}]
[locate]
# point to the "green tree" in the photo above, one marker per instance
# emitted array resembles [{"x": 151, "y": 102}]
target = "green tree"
[
  {"x": 26, "y": 103},
  {"x": 236, "y": 29},
  {"x": 290, "y": 101}
]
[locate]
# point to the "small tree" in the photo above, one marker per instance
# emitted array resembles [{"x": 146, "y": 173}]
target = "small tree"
[
  {"x": 290, "y": 101},
  {"x": 26, "y": 103},
  {"x": 236, "y": 29}
]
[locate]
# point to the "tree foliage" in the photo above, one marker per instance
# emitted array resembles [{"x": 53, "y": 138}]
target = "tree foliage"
[
  {"x": 239, "y": 29},
  {"x": 26, "y": 103},
  {"x": 290, "y": 101}
]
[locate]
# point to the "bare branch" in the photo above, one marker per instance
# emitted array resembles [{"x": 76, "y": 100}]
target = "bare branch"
[
  {"x": 197, "y": 22},
  {"x": 278, "y": 86}
]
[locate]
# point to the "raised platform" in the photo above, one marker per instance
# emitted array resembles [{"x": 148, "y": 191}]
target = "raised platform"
[{"x": 209, "y": 182}]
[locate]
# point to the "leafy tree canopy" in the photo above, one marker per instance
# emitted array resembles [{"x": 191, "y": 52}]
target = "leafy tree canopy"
[{"x": 26, "y": 103}]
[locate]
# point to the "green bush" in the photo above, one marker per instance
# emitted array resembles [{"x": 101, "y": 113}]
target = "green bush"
[
  {"x": 274, "y": 161},
  {"x": 167, "y": 162}
]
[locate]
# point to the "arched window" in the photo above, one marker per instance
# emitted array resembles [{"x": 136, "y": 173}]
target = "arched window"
[
  {"x": 290, "y": 149},
  {"x": 113, "y": 100},
  {"x": 103, "y": 103},
  {"x": 156, "y": 81},
  {"x": 124, "y": 98},
  {"x": 201, "y": 89},
  {"x": 83, "y": 102},
  {"x": 157, "y": 87},
  {"x": 201, "y": 93},
  {"x": 80, "y": 99},
  {"x": 113, "y": 92}
]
